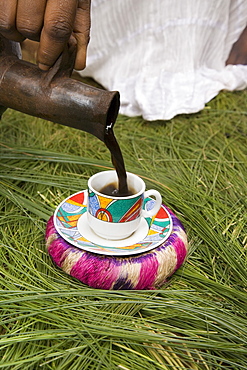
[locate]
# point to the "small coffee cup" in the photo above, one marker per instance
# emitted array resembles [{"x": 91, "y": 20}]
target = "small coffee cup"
[{"x": 117, "y": 217}]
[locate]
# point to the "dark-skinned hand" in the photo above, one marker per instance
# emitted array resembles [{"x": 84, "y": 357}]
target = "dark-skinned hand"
[
  {"x": 238, "y": 54},
  {"x": 53, "y": 23}
]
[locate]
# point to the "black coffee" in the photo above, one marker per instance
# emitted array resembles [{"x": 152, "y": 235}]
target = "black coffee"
[
  {"x": 111, "y": 189},
  {"x": 117, "y": 161}
]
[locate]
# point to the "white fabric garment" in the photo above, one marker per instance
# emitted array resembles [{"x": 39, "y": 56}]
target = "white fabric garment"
[{"x": 165, "y": 57}]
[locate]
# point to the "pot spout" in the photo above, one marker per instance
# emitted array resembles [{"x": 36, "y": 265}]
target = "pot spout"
[{"x": 53, "y": 95}]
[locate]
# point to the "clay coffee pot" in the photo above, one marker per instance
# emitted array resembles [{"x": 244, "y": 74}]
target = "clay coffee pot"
[{"x": 54, "y": 95}]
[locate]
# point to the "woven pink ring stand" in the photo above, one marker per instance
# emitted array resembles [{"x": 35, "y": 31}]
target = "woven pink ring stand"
[{"x": 143, "y": 266}]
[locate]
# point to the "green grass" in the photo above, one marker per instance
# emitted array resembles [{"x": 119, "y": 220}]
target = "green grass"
[{"x": 198, "y": 319}]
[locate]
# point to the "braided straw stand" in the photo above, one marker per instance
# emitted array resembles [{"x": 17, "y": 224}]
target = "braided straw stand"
[{"x": 143, "y": 271}]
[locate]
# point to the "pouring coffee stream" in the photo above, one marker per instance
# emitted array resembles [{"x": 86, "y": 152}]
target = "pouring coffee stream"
[
  {"x": 56, "y": 97},
  {"x": 117, "y": 161}
]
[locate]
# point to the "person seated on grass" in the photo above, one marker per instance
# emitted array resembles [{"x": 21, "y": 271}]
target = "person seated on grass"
[{"x": 165, "y": 58}]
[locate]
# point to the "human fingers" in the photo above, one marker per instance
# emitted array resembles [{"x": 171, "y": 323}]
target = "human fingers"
[
  {"x": 8, "y": 12},
  {"x": 58, "y": 25},
  {"x": 30, "y": 17},
  {"x": 81, "y": 32}
]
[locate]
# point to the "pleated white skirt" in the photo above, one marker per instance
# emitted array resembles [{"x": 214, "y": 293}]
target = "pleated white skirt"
[{"x": 165, "y": 57}]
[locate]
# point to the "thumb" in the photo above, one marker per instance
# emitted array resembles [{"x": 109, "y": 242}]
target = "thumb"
[{"x": 81, "y": 32}]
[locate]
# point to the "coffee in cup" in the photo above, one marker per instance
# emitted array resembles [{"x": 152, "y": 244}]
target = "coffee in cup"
[{"x": 115, "y": 217}]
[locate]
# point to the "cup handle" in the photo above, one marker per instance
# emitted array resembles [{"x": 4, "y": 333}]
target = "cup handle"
[{"x": 157, "y": 205}]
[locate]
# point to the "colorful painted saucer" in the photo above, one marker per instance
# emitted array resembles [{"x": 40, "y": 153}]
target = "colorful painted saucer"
[{"x": 70, "y": 220}]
